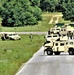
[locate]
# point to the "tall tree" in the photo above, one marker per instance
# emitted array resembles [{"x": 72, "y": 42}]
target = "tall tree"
[
  {"x": 68, "y": 11},
  {"x": 35, "y": 2},
  {"x": 19, "y": 13},
  {"x": 48, "y": 5}
]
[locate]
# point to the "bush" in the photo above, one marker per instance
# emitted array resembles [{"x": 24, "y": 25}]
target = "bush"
[{"x": 19, "y": 13}]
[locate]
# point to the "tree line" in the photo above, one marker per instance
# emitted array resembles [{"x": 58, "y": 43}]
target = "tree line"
[{"x": 28, "y": 12}]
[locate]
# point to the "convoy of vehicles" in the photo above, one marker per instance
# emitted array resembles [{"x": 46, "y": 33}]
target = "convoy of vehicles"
[{"x": 58, "y": 41}]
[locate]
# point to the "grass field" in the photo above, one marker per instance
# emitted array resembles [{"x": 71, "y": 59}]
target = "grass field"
[
  {"x": 42, "y": 25},
  {"x": 14, "y": 53}
]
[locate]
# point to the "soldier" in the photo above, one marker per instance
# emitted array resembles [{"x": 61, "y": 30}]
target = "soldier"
[
  {"x": 49, "y": 31},
  {"x": 31, "y": 37},
  {"x": 71, "y": 35},
  {"x": 68, "y": 34}
]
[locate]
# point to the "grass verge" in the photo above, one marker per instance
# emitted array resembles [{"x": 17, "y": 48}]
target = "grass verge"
[{"x": 14, "y": 53}]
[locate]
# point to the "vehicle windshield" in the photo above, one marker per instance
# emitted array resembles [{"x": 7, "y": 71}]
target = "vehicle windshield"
[
  {"x": 57, "y": 29},
  {"x": 54, "y": 35},
  {"x": 49, "y": 36},
  {"x": 69, "y": 43},
  {"x": 12, "y": 34}
]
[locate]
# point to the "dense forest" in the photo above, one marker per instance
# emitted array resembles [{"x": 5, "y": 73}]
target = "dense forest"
[{"x": 28, "y": 12}]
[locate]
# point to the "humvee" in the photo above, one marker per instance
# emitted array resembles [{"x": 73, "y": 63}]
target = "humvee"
[
  {"x": 52, "y": 37},
  {"x": 10, "y": 36},
  {"x": 57, "y": 47},
  {"x": 63, "y": 30},
  {"x": 55, "y": 37}
]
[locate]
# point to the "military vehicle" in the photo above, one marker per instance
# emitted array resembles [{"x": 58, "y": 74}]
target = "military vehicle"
[
  {"x": 62, "y": 30},
  {"x": 10, "y": 36},
  {"x": 55, "y": 30},
  {"x": 52, "y": 37},
  {"x": 57, "y": 47}
]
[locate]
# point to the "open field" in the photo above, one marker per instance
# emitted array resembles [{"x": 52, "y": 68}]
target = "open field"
[
  {"x": 42, "y": 25},
  {"x": 14, "y": 53}
]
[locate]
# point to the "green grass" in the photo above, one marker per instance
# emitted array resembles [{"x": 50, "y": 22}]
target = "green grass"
[
  {"x": 14, "y": 53},
  {"x": 51, "y": 13}
]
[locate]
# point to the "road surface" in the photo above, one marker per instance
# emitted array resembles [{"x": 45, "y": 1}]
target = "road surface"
[
  {"x": 39, "y": 33},
  {"x": 41, "y": 64}
]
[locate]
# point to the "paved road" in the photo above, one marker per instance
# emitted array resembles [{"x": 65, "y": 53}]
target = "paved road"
[
  {"x": 39, "y": 33},
  {"x": 42, "y": 64}
]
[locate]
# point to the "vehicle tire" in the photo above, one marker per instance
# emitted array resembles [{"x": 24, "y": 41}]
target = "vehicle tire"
[
  {"x": 57, "y": 53},
  {"x": 49, "y": 52},
  {"x": 71, "y": 52},
  {"x": 2, "y": 38},
  {"x": 19, "y": 39}
]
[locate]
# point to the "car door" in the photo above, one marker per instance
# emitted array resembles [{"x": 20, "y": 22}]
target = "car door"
[
  {"x": 55, "y": 47},
  {"x": 61, "y": 47}
]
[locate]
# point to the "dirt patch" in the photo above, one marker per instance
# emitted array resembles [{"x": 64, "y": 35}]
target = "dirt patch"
[{"x": 55, "y": 19}]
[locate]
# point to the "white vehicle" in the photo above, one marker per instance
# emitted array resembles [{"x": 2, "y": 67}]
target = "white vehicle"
[
  {"x": 59, "y": 46},
  {"x": 52, "y": 37},
  {"x": 55, "y": 30},
  {"x": 10, "y": 35},
  {"x": 63, "y": 30}
]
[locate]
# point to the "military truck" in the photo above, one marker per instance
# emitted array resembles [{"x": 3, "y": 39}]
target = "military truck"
[{"x": 57, "y": 47}]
